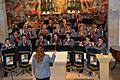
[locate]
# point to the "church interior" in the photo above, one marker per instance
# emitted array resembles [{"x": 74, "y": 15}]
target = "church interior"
[{"x": 84, "y": 34}]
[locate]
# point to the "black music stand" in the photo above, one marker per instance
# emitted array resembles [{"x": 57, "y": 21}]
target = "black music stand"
[
  {"x": 67, "y": 48},
  {"x": 49, "y": 48},
  {"x": 9, "y": 61},
  {"x": 92, "y": 62},
  {"x": 48, "y": 37},
  {"x": 72, "y": 21},
  {"x": 70, "y": 61},
  {"x": 46, "y": 21},
  {"x": 92, "y": 50},
  {"x": 52, "y": 48},
  {"x": 24, "y": 53},
  {"x": 87, "y": 21},
  {"x": 62, "y": 37},
  {"x": 78, "y": 48},
  {"x": 79, "y": 61}
]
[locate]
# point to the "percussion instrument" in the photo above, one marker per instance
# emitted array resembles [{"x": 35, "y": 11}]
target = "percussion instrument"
[{"x": 115, "y": 50}]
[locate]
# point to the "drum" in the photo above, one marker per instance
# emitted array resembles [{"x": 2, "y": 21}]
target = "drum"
[{"x": 115, "y": 50}]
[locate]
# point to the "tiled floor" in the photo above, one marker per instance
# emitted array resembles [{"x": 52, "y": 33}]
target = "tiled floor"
[{"x": 114, "y": 75}]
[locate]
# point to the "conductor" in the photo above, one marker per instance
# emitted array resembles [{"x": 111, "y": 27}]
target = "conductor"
[{"x": 41, "y": 64}]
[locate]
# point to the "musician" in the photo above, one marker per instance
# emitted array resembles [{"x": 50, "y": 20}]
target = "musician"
[
  {"x": 82, "y": 30},
  {"x": 14, "y": 38},
  {"x": 93, "y": 32},
  {"x": 101, "y": 46},
  {"x": 42, "y": 41},
  {"x": 87, "y": 40},
  {"x": 68, "y": 29},
  {"x": 55, "y": 39},
  {"x": 31, "y": 33},
  {"x": 57, "y": 29},
  {"x": 5, "y": 46},
  {"x": 50, "y": 26},
  {"x": 89, "y": 43},
  {"x": 44, "y": 31},
  {"x": 29, "y": 22},
  {"x": 68, "y": 41},
  {"x": 24, "y": 42}
]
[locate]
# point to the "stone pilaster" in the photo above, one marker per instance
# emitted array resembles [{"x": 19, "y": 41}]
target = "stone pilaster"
[
  {"x": 114, "y": 23},
  {"x": 3, "y": 21}
]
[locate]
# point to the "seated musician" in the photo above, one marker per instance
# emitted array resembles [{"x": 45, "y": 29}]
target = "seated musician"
[
  {"x": 24, "y": 42},
  {"x": 55, "y": 39},
  {"x": 6, "y": 45},
  {"x": 68, "y": 29},
  {"x": 14, "y": 38},
  {"x": 68, "y": 41},
  {"x": 44, "y": 31},
  {"x": 31, "y": 33},
  {"x": 89, "y": 43},
  {"x": 50, "y": 26},
  {"x": 57, "y": 29},
  {"x": 94, "y": 32},
  {"x": 101, "y": 46},
  {"x": 41, "y": 40},
  {"x": 82, "y": 30},
  {"x": 29, "y": 22}
]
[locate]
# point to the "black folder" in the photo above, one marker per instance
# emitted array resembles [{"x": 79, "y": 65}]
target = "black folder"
[
  {"x": 87, "y": 21},
  {"x": 23, "y": 48},
  {"x": 24, "y": 53},
  {"x": 48, "y": 37},
  {"x": 52, "y": 48},
  {"x": 46, "y": 21},
  {"x": 67, "y": 48},
  {"x": 20, "y": 25},
  {"x": 8, "y": 51},
  {"x": 62, "y": 37},
  {"x": 79, "y": 48},
  {"x": 93, "y": 50},
  {"x": 9, "y": 59},
  {"x": 72, "y": 21},
  {"x": 77, "y": 38}
]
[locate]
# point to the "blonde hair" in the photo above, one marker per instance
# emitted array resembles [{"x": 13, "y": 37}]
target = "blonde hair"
[{"x": 39, "y": 54}]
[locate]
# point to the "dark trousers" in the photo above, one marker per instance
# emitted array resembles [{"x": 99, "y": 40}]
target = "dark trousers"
[
  {"x": 43, "y": 79},
  {"x": 5, "y": 74}
]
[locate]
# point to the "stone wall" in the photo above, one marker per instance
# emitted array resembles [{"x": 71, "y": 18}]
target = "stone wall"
[
  {"x": 114, "y": 23},
  {"x": 3, "y": 22}
]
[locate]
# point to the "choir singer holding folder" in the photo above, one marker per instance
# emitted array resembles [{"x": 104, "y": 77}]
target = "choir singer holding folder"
[{"x": 41, "y": 63}]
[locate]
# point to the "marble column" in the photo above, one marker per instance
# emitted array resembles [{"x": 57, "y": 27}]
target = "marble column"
[
  {"x": 3, "y": 21},
  {"x": 113, "y": 23}
]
